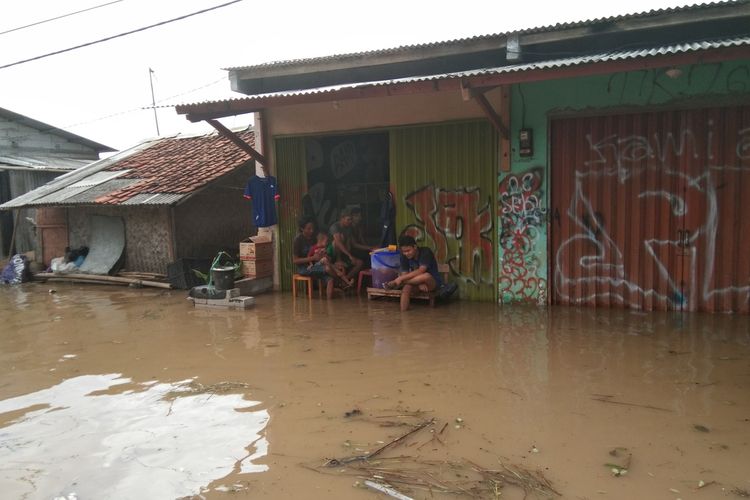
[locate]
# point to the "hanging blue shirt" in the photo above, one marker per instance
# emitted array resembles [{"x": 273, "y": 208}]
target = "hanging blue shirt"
[{"x": 263, "y": 193}]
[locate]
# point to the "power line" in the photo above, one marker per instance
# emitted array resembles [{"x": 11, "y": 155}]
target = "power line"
[
  {"x": 58, "y": 17},
  {"x": 119, "y": 113},
  {"x": 161, "y": 101},
  {"x": 119, "y": 35}
]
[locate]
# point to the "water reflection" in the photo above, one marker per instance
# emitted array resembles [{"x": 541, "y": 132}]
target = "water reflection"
[{"x": 103, "y": 436}]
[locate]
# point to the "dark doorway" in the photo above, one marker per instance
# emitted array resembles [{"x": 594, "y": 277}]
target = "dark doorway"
[{"x": 347, "y": 171}]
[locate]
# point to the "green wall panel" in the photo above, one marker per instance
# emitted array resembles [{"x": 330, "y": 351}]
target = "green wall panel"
[
  {"x": 444, "y": 181},
  {"x": 292, "y": 178}
]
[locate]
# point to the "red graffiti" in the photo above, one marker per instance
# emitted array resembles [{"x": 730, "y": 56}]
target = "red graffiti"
[{"x": 455, "y": 215}]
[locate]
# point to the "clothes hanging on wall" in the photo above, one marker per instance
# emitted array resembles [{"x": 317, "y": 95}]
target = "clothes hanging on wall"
[
  {"x": 263, "y": 193},
  {"x": 388, "y": 220}
]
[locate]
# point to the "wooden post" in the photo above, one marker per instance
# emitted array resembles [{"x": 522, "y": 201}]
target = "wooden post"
[
  {"x": 491, "y": 115},
  {"x": 11, "y": 248},
  {"x": 240, "y": 143},
  {"x": 505, "y": 118}
]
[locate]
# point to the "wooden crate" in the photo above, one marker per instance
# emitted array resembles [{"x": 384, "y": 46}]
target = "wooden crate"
[
  {"x": 256, "y": 248},
  {"x": 257, "y": 268}
]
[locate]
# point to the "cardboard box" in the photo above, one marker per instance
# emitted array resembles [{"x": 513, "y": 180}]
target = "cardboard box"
[
  {"x": 256, "y": 248},
  {"x": 257, "y": 268}
]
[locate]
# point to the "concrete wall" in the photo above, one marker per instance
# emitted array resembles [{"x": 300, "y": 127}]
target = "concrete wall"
[
  {"x": 373, "y": 113},
  {"x": 524, "y": 192}
]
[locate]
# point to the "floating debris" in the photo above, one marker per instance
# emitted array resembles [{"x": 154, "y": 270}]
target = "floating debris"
[
  {"x": 387, "y": 490},
  {"x": 403, "y": 475},
  {"x": 619, "y": 470},
  {"x": 701, "y": 428},
  {"x": 193, "y": 388}
]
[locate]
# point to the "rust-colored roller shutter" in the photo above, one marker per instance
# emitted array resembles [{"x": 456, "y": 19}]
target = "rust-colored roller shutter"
[{"x": 646, "y": 210}]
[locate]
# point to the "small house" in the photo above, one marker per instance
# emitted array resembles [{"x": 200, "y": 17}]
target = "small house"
[{"x": 162, "y": 200}]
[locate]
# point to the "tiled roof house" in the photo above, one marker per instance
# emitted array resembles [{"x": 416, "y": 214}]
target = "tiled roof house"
[{"x": 179, "y": 197}]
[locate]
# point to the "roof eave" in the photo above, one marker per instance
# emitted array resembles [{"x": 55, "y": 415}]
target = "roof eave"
[{"x": 220, "y": 109}]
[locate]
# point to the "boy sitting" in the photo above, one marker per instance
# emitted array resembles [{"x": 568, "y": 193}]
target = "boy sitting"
[{"x": 418, "y": 270}]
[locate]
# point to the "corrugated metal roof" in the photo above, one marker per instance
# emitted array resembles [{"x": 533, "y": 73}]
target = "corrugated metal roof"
[
  {"x": 498, "y": 36},
  {"x": 58, "y": 197},
  {"x": 157, "y": 172},
  {"x": 90, "y": 194},
  {"x": 98, "y": 178},
  {"x": 32, "y": 198},
  {"x": 517, "y": 68},
  {"x": 42, "y": 163},
  {"x": 44, "y": 127},
  {"x": 154, "y": 199}
]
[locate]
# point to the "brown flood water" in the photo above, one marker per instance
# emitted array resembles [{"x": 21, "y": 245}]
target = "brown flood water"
[{"x": 101, "y": 397}]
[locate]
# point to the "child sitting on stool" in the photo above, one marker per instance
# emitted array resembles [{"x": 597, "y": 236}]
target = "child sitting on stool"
[{"x": 326, "y": 250}]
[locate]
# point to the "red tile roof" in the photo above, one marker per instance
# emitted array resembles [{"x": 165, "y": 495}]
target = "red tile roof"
[{"x": 178, "y": 165}]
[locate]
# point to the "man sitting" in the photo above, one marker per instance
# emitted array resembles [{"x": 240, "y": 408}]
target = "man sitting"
[
  {"x": 342, "y": 244},
  {"x": 418, "y": 270}
]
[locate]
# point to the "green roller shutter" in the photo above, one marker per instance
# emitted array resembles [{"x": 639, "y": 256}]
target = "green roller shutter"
[
  {"x": 444, "y": 181},
  {"x": 292, "y": 178}
]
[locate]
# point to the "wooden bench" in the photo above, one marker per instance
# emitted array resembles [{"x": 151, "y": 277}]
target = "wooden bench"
[{"x": 443, "y": 269}]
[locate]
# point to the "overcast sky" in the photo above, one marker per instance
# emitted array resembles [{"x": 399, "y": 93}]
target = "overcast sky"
[{"x": 99, "y": 91}]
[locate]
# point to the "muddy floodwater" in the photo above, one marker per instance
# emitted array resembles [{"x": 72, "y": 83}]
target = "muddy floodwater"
[{"x": 115, "y": 393}]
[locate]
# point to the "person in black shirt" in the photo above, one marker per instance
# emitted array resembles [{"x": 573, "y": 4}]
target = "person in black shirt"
[
  {"x": 418, "y": 270},
  {"x": 341, "y": 233},
  {"x": 306, "y": 264}
]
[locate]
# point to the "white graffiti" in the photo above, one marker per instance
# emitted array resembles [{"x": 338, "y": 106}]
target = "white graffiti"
[
  {"x": 743, "y": 145},
  {"x": 520, "y": 198},
  {"x": 343, "y": 159},
  {"x": 602, "y": 270},
  {"x": 676, "y": 202}
]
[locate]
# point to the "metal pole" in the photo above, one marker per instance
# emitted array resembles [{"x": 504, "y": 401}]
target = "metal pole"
[{"x": 153, "y": 99}]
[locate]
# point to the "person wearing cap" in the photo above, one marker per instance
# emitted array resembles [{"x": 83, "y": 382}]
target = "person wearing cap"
[{"x": 341, "y": 233}]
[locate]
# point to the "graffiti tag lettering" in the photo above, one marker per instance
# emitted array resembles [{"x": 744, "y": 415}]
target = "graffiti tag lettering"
[
  {"x": 460, "y": 216},
  {"x": 522, "y": 218}
]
